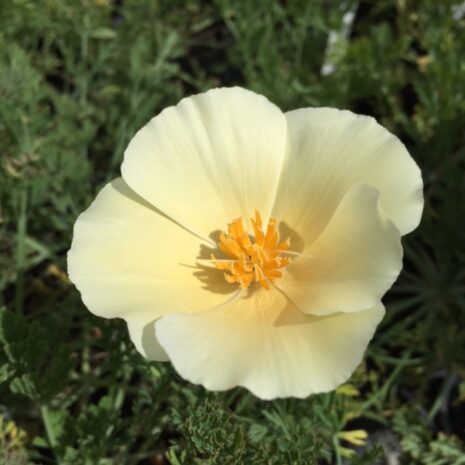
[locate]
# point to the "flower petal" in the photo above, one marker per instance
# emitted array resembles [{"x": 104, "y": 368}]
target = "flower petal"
[
  {"x": 130, "y": 261},
  {"x": 329, "y": 151},
  {"x": 262, "y": 342},
  {"x": 212, "y": 158},
  {"x": 140, "y": 327},
  {"x": 354, "y": 261}
]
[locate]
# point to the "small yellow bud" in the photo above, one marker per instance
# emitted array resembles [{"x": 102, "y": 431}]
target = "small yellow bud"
[{"x": 356, "y": 437}]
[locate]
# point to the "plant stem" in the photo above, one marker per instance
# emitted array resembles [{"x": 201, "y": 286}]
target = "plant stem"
[{"x": 52, "y": 439}]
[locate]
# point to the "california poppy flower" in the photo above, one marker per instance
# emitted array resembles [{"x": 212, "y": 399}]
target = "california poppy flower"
[{"x": 248, "y": 246}]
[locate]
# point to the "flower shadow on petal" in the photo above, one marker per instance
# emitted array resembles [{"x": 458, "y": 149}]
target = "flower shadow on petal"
[
  {"x": 210, "y": 278},
  {"x": 120, "y": 186},
  {"x": 297, "y": 241},
  {"x": 151, "y": 347},
  {"x": 213, "y": 280}
]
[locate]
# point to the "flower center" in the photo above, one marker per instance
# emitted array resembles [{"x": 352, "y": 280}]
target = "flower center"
[{"x": 258, "y": 259}]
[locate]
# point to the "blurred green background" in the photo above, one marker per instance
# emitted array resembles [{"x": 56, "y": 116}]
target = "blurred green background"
[{"x": 77, "y": 79}]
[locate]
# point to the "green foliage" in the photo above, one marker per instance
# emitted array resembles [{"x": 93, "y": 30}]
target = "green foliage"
[
  {"x": 77, "y": 79},
  {"x": 214, "y": 434},
  {"x": 36, "y": 364},
  {"x": 422, "y": 448}
]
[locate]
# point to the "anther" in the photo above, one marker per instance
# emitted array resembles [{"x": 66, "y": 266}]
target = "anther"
[{"x": 258, "y": 259}]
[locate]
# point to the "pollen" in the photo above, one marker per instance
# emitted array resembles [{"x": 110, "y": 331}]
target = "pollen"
[{"x": 252, "y": 259}]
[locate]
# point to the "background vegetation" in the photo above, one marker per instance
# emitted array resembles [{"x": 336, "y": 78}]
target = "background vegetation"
[{"x": 77, "y": 79}]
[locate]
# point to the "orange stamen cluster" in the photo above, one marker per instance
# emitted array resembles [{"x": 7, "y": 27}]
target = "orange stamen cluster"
[{"x": 249, "y": 261}]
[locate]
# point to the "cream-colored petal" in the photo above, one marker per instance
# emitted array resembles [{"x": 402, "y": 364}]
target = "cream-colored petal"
[
  {"x": 329, "y": 151},
  {"x": 140, "y": 327},
  {"x": 354, "y": 261},
  {"x": 211, "y": 158},
  {"x": 266, "y": 345},
  {"x": 129, "y": 260}
]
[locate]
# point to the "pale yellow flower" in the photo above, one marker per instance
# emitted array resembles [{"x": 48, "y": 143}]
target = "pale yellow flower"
[{"x": 285, "y": 301}]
